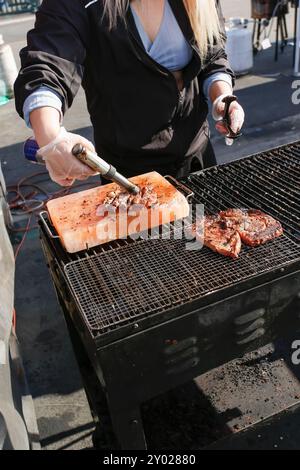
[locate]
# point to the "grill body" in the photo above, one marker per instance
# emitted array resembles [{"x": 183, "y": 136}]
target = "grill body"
[
  {"x": 141, "y": 320},
  {"x": 169, "y": 354}
]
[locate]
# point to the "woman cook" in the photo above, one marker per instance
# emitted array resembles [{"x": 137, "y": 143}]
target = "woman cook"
[{"x": 148, "y": 68}]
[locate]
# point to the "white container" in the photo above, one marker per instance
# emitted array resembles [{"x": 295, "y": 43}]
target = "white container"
[
  {"x": 3, "y": 91},
  {"x": 8, "y": 68},
  {"x": 239, "y": 46}
]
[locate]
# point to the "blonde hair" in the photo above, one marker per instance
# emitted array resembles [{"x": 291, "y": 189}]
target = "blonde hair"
[
  {"x": 205, "y": 23},
  {"x": 202, "y": 14}
]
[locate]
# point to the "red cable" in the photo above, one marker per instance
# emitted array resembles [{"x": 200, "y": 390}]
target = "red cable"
[
  {"x": 23, "y": 238},
  {"x": 22, "y": 201},
  {"x": 20, "y": 197},
  {"x": 14, "y": 319}
]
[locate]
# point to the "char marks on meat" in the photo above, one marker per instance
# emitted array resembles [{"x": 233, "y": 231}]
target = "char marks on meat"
[
  {"x": 219, "y": 236},
  {"x": 121, "y": 199},
  {"x": 225, "y": 232},
  {"x": 254, "y": 227}
]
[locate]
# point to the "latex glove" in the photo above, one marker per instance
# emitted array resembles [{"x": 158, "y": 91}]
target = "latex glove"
[
  {"x": 236, "y": 113},
  {"x": 63, "y": 167}
]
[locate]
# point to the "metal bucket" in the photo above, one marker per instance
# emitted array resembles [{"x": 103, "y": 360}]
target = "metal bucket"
[{"x": 264, "y": 9}]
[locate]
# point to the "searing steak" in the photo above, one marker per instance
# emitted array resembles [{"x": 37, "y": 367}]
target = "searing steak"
[
  {"x": 225, "y": 231},
  {"x": 219, "y": 236},
  {"x": 121, "y": 199},
  {"x": 254, "y": 227}
]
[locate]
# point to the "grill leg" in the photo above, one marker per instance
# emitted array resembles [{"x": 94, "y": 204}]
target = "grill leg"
[
  {"x": 128, "y": 428},
  {"x": 127, "y": 425},
  {"x": 103, "y": 437}
]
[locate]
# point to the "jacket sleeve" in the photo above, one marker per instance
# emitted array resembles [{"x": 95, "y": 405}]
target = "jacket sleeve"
[
  {"x": 217, "y": 61},
  {"x": 55, "y": 52}
]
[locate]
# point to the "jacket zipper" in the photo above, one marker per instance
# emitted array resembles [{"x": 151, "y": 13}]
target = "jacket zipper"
[
  {"x": 157, "y": 66},
  {"x": 163, "y": 70}
]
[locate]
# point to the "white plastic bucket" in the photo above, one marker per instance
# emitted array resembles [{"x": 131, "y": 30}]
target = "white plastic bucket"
[
  {"x": 239, "y": 46},
  {"x": 8, "y": 68}
]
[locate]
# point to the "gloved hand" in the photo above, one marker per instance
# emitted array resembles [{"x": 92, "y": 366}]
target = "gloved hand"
[
  {"x": 236, "y": 113},
  {"x": 63, "y": 167}
]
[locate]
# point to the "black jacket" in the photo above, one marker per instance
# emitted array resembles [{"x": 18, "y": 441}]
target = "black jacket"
[{"x": 141, "y": 121}]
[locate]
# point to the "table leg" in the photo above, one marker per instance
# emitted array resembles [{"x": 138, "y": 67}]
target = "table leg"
[
  {"x": 286, "y": 33},
  {"x": 277, "y": 40},
  {"x": 283, "y": 42},
  {"x": 295, "y": 33},
  {"x": 253, "y": 35},
  {"x": 258, "y": 32}
]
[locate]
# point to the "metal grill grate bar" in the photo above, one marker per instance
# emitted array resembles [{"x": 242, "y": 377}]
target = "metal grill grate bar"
[
  {"x": 133, "y": 282},
  {"x": 260, "y": 200}
]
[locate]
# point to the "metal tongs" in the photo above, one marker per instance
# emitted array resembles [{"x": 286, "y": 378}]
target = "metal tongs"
[
  {"x": 92, "y": 160},
  {"x": 231, "y": 136}
]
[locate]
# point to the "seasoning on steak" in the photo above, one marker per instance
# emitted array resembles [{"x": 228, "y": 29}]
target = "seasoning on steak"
[
  {"x": 121, "y": 199},
  {"x": 253, "y": 226},
  {"x": 225, "y": 232},
  {"x": 219, "y": 236}
]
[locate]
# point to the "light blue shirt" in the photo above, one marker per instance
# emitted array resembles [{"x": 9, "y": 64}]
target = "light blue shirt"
[
  {"x": 170, "y": 49},
  {"x": 41, "y": 97}
]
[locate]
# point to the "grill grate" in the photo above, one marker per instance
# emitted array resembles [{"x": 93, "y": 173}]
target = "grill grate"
[
  {"x": 136, "y": 280},
  {"x": 121, "y": 282},
  {"x": 270, "y": 182}
]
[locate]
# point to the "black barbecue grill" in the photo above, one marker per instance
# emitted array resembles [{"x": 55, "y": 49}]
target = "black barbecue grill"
[{"x": 150, "y": 314}]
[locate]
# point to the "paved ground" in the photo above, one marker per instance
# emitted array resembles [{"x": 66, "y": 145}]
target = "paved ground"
[{"x": 63, "y": 416}]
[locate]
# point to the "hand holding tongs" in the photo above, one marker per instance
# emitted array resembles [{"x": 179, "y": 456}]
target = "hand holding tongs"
[
  {"x": 226, "y": 121},
  {"x": 87, "y": 157}
]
